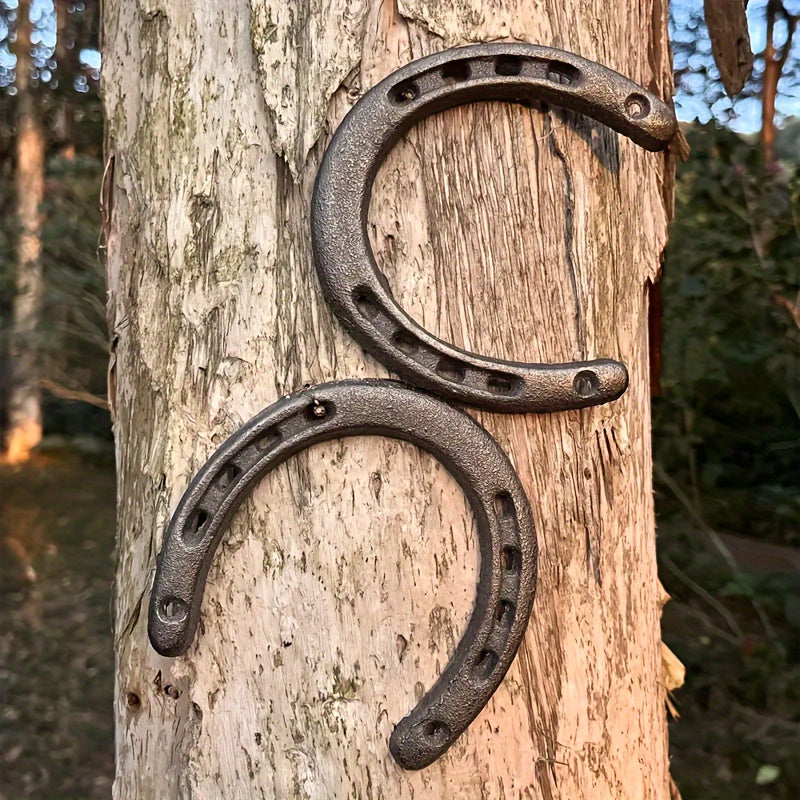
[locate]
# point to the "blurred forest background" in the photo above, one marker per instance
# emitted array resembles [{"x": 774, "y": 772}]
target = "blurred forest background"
[{"x": 726, "y": 412}]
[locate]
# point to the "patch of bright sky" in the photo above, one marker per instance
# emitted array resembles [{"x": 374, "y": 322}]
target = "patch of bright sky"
[
  {"x": 91, "y": 58},
  {"x": 43, "y": 39}
]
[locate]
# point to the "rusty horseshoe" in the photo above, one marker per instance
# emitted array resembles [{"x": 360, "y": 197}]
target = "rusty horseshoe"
[
  {"x": 508, "y": 548},
  {"x": 354, "y": 286}
]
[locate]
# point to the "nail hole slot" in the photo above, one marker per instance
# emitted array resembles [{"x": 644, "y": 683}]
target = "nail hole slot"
[
  {"x": 502, "y": 384},
  {"x": 456, "y": 72},
  {"x": 450, "y": 370},
  {"x": 365, "y": 303},
  {"x": 200, "y": 519},
  {"x": 505, "y": 613},
  {"x": 404, "y": 92},
  {"x": 268, "y": 439},
  {"x": 486, "y": 662},
  {"x": 586, "y": 383},
  {"x": 173, "y": 609},
  {"x": 228, "y": 476},
  {"x": 560, "y": 72},
  {"x": 436, "y": 730},
  {"x": 503, "y": 505},
  {"x": 508, "y": 65},
  {"x": 637, "y": 106},
  {"x": 512, "y": 559},
  {"x": 406, "y": 342}
]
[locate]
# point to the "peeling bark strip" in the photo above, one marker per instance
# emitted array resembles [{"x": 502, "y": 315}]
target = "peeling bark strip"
[
  {"x": 525, "y": 233},
  {"x": 730, "y": 42}
]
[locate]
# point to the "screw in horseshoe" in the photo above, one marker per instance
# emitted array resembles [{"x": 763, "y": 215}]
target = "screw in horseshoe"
[
  {"x": 507, "y": 539},
  {"x": 351, "y": 281}
]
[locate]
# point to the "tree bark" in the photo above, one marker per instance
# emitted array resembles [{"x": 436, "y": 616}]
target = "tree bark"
[{"x": 343, "y": 585}]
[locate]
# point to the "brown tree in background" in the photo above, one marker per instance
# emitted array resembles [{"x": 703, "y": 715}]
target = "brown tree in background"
[
  {"x": 775, "y": 57},
  {"x": 24, "y": 400}
]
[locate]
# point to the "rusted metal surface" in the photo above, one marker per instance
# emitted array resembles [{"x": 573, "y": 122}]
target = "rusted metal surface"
[
  {"x": 354, "y": 286},
  {"x": 508, "y": 548}
]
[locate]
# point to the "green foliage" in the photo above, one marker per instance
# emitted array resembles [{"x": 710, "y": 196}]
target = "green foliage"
[
  {"x": 740, "y": 643},
  {"x": 74, "y": 315},
  {"x": 73, "y": 335},
  {"x": 727, "y": 460},
  {"x": 71, "y": 338},
  {"x": 728, "y": 427}
]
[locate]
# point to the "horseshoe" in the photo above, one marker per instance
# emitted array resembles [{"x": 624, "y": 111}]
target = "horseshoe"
[
  {"x": 506, "y": 535},
  {"x": 351, "y": 281}
]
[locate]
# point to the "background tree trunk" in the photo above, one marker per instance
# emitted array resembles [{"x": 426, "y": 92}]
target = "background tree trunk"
[
  {"x": 774, "y": 61},
  {"x": 345, "y": 582},
  {"x": 24, "y": 398}
]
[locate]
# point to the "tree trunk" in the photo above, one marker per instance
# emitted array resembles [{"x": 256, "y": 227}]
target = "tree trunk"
[
  {"x": 774, "y": 61},
  {"x": 24, "y": 399},
  {"x": 769, "y": 89},
  {"x": 343, "y": 585}
]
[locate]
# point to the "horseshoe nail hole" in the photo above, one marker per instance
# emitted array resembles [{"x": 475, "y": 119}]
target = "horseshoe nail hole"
[
  {"x": 268, "y": 439},
  {"x": 174, "y": 609},
  {"x": 486, "y": 662},
  {"x": 455, "y": 72},
  {"x": 133, "y": 701},
  {"x": 365, "y": 303},
  {"x": 173, "y": 692},
  {"x": 637, "y": 106},
  {"x": 505, "y": 612},
  {"x": 585, "y": 384},
  {"x": 502, "y": 384},
  {"x": 565, "y": 74},
  {"x": 226, "y": 478},
  {"x": 508, "y": 65},
  {"x": 405, "y": 342},
  {"x": 319, "y": 410},
  {"x": 503, "y": 504},
  {"x": 511, "y": 558},
  {"x": 404, "y": 92},
  {"x": 437, "y": 730},
  {"x": 200, "y": 519},
  {"x": 450, "y": 370}
]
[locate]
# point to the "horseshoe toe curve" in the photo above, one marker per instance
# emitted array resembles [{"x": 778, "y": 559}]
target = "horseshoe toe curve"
[{"x": 506, "y": 536}]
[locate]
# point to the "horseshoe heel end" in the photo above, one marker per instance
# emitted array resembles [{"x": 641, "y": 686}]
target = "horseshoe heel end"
[
  {"x": 174, "y": 611},
  {"x": 415, "y": 745},
  {"x": 170, "y": 636},
  {"x": 664, "y": 126},
  {"x": 593, "y": 383}
]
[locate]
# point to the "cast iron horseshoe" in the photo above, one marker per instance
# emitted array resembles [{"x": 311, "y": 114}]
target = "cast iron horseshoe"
[
  {"x": 353, "y": 285},
  {"x": 508, "y": 548}
]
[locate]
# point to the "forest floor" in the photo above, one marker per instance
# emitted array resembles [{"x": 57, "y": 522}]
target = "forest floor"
[
  {"x": 56, "y": 651},
  {"x": 738, "y": 736}
]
